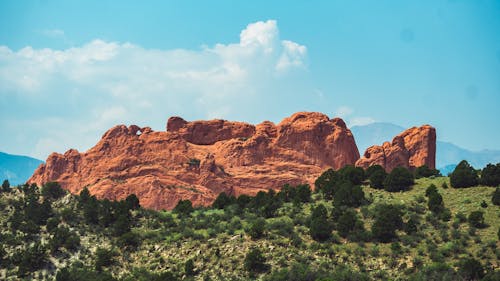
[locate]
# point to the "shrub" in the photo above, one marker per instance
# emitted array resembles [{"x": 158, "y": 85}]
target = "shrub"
[
  {"x": 52, "y": 190},
  {"x": 104, "y": 257},
  {"x": 349, "y": 195},
  {"x": 352, "y": 174},
  {"x": 399, "y": 179},
  {"x": 319, "y": 226},
  {"x": 255, "y": 261},
  {"x": 377, "y": 179},
  {"x": 184, "y": 207},
  {"x": 78, "y": 272},
  {"x": 471, "y": 269},
  {"x": 373, "y": 169},
  {"x": 430, "y": 189},
  {"x": 222, "y": 201},
  {"x": 132, "y": 202},
  {"x": 476, "y": 219},
  {"x": 326, "y": 182},
  {"x": 63, "y": 237},
  {"x": 463, "y": 176},
  {"x": 5, "y": 186},
  {"x": 347, "y": 222},
  {"x": 31, "y": 259},
  {"x": 435, "y": 272},
  {"x": 256, "y": 229},
  {"x": 388, "y": 219},
  {"x": 129, "y": 240},
  {"x": 495, "y": 197},
  {"x": 425, "y": 172},
  {"x": 490, "y": 175},
  {"x": 435, "y": 202},
  {"x": 189, "y": 267}
]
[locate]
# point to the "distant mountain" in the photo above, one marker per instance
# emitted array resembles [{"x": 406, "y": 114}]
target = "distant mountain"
[
  {"x": 447, "y": 154},
  {"x": 17, "y": 169}
]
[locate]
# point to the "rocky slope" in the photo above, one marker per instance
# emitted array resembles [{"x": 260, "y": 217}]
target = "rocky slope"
[
  {"x": 198, "y": 160},
  {"x": 412, "y": 148}
]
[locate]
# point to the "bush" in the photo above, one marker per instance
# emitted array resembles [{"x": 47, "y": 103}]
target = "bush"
[
  {"x": 184, "y": 207},
  {"x": 399, "y": 179},
  {"x": 435, "y": 272},
  {"x": 222, "y": 201},
  {"x": 63, "y": 237},
  {"x": 5, "y": 186},
  {"x": 349, "y": 195},
  {"x": 31, "y": 259},
  {"x": 430, "y": 189},
  {"x": 52, "y": 190},
  {"x": 425, "y": 172},
  {"x": 104, "y": 257},
  {"x": 377, "y": 179},
  {"x": 373, "y": 169},
  {"x": 132, "y": 202},
  {"x": 352, "y": 174},
  {"x": 476, "y": 219},
  {"x": 78, "y": 272},
  {"x": 471, "y": 269},
  {"x": 189, "y": 268},
  {"x": 129, "y": 240},
  {"x": 463, "y": 176},
  {"x": 388, "y": 219},
  {"x": 319, "y": 226},
  {"x": 255, "y": 261},
  {"x": 326, "y": 182},
  {"x": 349, "y": 222},
  {"x": 490, "y": 175},
  {"x": 435, "y": 202},
  {"x": 256, "y": 229},
  {"x": 495, "y": 197}
]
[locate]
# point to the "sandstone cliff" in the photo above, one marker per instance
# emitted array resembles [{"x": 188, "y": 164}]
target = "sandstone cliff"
[
  {"x": 198, "y": 160},
  {"x": 412, "y": 148}
]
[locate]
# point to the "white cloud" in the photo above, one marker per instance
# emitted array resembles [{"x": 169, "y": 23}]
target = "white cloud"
[
  {"x": 360, "y": 121},
  {"x": 344, "y": 111},
  {"x": 91, "y": 87}
]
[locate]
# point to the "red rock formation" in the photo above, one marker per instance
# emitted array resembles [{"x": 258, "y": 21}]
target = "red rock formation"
[
  {"x": 412, "y": 148},
  {"x": 198, "y": 160}
]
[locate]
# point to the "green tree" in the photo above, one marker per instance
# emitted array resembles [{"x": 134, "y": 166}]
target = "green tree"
[
  {"x": 399, "y": 179},
  {"x": 189, "y": 267},
  {"x": 425, "y": 172},
  {"x": 31, "y": 259},
  {"x": 353, "y": 174},
  {"x": 388, "y": 219},
  {"x": 256, "y": 229},
  {"x": 495, "y": 197},
  {"x": 132, "y": 202},
  {"x": 326, "y": 182},
  {"x": 430, "y": 189},
  {"x": 319, "y": 226},
  {"x": 349, "y": 222},
  {"x": 373, "y": 169},
  {"x": 435, "y": 202},
  {"x": 377, "y": 178},
  {"x": 490, "y": 175},
  {"x": 255, "y": 262},
  {"x": 463, "y": 176},
  {"x": 104, "y": 258},
  {"x": 5, "y": 186},
  {"x": 184, "y": 207},
  {"x": 52, "y": 190},
  {"x": 349, "y": 195},
  {"x": 476, "y": 219},
  {"x": 471, "y": 269},
  {"x": 222, "y": 201}
]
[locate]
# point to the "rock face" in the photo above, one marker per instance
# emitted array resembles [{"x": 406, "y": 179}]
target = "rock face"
[
  {"x": 412, "y": 148},
  {"x": 198, "y": 160}
]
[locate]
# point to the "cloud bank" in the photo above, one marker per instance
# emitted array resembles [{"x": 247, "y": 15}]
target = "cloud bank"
[{"x": 68, "y": 98}]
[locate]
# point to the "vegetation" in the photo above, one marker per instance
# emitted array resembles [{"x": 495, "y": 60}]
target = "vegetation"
[
  {"x": 463, "y": 176},
  {"x": 346, "y": 229}
]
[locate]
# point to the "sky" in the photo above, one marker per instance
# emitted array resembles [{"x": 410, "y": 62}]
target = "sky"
[{"x": 69, "y": 70}]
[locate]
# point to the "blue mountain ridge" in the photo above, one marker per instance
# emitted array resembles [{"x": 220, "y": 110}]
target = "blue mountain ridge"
[{"x": 16, "y": 168}]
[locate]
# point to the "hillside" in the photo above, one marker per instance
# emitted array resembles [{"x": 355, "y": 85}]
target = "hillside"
[
  {"x": 214, "y": 243},
  {"x": 17, "y": 169}
]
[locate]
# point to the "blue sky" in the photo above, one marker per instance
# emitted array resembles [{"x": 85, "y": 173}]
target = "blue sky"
[{"x": 71, "y": 69}]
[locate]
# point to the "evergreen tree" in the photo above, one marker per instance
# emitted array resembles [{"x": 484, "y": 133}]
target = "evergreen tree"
[
  {"x": 476, "y": 219},
  {"x": 184, "y": 207},
  {"x": 347, "y": 222},
  {"x": 132, "y": 202},
  {"x": 388, "y": 219},
  {"x": 463, "y": 176},
  {"x": 348, "y": 195},
  {"x": 319, "y": 226},
  {"x": 6, "y": 186},
  {"x": 425, "y": 172},
  {"x": 377, "y": 178},
  {"x": 373, "y": 169},
  {"x": 52, "y": 190},
  {"x": 490, "y": 175},
  {"x": 222, "y": 201},
  {"x": 495, "y": 197},
  {"x": 255, "y": 261},
  {"x": 399, "y": 179}
]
